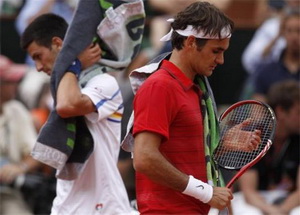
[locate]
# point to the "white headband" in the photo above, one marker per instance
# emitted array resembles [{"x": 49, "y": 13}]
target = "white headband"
[{"x": 190, "y": 31}]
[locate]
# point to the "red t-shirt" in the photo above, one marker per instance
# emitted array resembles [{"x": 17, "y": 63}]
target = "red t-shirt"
[{"x": 168, "y": 103}]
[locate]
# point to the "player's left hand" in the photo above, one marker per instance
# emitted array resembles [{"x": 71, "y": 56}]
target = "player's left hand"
[
  {"x": 238, "y": 139},
  {"x": 90, "y": 55}
]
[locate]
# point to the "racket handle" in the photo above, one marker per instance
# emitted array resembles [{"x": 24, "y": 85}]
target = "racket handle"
[{"x": 213, "y": 211}]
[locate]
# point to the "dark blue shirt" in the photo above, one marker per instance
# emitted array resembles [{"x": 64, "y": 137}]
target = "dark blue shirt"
[{"x": 270, "y": 73}]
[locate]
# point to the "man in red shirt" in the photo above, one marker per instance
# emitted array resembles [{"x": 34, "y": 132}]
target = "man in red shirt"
[{"x": 169, "y": 150}]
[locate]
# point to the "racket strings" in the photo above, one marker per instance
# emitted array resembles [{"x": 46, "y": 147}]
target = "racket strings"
[{"x": 236, "y": 129}]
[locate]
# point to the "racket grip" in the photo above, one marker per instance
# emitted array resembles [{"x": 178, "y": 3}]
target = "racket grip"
[{"x": 213, "y": 211}]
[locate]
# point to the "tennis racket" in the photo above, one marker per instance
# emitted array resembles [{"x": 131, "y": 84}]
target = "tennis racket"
[{"x": 237, "y": 123}]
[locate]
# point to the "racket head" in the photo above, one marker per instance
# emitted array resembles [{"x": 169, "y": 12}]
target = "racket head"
[{"x": 259, "y": 116}]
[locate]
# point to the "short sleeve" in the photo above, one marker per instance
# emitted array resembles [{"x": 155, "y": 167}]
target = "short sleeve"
[
  {"x": 154, "y": 108},
  {"x": 105, "y": 93}
]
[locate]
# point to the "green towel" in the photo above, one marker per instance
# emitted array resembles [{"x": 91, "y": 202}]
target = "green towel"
[{"x": 211, "y": 133}]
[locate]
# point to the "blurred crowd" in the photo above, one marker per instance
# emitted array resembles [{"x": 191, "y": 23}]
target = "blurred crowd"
[{"x": 263, "y": 63}]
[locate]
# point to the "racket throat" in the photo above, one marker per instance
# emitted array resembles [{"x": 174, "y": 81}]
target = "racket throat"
[
  {"x": 217, "y": 177},
  {"x": 216, "y": 172}
]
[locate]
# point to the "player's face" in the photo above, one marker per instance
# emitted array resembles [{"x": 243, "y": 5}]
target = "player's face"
[
  {"x": 43, "y": 57},
  {"x": 209, "y": 56}
]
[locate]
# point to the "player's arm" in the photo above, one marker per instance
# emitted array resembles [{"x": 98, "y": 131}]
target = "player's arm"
[
  {"x": 148, "y": 160},
  {"x": 70, "y": 101},
  {"x": 248, "y": 184}
]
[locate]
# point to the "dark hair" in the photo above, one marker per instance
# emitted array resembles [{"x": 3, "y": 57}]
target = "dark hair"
[
  {"x": 201, "y": 15},
  {"x": 43, "y": 29},
  {"x": 284, "y": 94}
]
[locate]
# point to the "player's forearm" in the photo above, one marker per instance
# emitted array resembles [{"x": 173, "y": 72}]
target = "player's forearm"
[
  {"x": 149, "y": 161},
  {"x": 159, "y": 170},
  {"x": 70, "y": 101}
]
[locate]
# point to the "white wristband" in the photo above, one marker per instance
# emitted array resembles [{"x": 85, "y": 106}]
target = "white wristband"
[{"x": 199, "y": 190}]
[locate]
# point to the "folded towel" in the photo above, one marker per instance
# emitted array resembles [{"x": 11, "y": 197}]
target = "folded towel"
[
  {"x": 211, "y": 131},
  {"x": 65, "y": 144}
]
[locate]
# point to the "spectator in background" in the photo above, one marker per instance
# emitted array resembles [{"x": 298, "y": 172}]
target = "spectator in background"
[
  {"x": 267, "y": 42},
  {"x": 32, "y": 90},
  {"x": 9, "y": 39},
  {"x": 34, "y": 93},
  {"x": 272, "y": 185},
  {"x": 287, "y": 66},
  {"x": 10, "y": 8},
  {"x": 17, "y": 136},
  {"x": 33, "y": 9}
]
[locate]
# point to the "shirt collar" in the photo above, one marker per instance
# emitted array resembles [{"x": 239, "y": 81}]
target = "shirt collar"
[{"x": 175, "y": 72}]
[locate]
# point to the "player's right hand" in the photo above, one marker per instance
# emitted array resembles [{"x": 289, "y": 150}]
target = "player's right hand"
[{"x": 221, "y": 198}]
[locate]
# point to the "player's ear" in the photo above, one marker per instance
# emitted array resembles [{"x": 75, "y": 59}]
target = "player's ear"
[
  {"x": 190, "y": 42},
  {"x": 57, "y": 42}
]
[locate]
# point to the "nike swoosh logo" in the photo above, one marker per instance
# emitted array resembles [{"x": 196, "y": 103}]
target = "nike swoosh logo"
[{"x": 201, "y": 186}]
